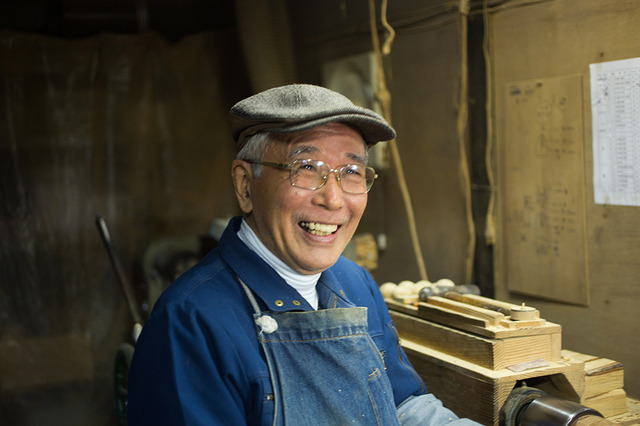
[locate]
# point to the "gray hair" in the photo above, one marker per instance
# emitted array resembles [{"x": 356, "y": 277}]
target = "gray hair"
[{"x": 254, "y": 150}]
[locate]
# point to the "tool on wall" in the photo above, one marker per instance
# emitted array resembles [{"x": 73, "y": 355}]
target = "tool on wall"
[
  {"x": 127, "y": 289},
  {"x": 124, "y": 355}
]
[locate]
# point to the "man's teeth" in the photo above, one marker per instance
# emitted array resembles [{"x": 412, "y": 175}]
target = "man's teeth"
[{"x": 321, "y": 229}]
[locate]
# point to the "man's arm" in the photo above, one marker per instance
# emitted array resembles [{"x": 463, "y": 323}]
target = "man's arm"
[
  {"x": 175, "y": 378},
  {"x": 425, "y": 410},
  {"x": 418, "y": 407}
]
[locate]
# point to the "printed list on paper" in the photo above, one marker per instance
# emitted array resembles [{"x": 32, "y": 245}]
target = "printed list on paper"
[{"x": 615, "y": 108}]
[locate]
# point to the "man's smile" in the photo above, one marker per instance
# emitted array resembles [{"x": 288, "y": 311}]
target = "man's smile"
[{"x": 320, "y": 229}]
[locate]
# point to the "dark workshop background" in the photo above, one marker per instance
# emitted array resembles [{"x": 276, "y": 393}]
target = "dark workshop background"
[{"x": 120, "y": 108}]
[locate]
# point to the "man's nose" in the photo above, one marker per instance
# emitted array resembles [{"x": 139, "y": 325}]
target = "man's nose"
[{"x": 330, "y": 195}]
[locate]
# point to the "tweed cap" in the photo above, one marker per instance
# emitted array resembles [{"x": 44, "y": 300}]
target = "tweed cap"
[{"x": 297, "y": 107}]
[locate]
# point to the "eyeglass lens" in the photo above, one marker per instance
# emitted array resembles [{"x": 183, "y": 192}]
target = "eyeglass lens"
[{"x": 310, "y": 174}]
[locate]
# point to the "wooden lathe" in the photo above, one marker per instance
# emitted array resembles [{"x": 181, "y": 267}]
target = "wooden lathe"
[{"x": 472, "y": 353}]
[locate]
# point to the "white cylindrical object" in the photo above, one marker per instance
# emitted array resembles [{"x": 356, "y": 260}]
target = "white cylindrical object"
[
  {"x": 387, "y": 289},
  {"x": 524, "y": 313}
]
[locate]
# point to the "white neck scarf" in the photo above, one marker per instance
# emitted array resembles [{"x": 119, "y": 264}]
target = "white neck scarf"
[{"x": 304, "y": 284}]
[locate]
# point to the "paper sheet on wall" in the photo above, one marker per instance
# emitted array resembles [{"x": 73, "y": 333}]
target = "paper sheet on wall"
[{"x": 615, "y": 110}]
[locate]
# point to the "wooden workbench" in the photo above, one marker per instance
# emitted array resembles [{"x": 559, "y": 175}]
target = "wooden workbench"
[{"x": 472, "y": 361}]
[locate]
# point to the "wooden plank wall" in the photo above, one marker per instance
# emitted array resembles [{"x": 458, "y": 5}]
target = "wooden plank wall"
[{"x": 587, "y": 280}]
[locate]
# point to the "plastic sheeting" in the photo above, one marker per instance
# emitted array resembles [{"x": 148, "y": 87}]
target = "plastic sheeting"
[{"x": 131, "y": 127}]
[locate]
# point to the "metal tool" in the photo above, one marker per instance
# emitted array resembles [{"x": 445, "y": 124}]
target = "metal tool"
[
  {"x": 436, "y": 290},
  {"x": 526, "y": 406},
  {"x": 127, "y": 289},
  {"x": 124, "y": 355}
]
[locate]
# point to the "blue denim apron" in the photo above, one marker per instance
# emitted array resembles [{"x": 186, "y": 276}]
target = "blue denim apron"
[{"x": 324, "y": 367}]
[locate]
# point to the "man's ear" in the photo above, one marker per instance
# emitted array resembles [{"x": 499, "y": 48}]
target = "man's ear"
[{"x": 242, "y": 174}]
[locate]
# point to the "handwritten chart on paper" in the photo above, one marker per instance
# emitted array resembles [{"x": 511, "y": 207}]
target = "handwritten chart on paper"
[
  {"x": 615, "y": 110},
  {"x": 543, "y": 183}
]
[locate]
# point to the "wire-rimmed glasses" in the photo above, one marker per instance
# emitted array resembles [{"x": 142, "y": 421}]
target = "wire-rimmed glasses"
[{"x": 313, "y": 174}]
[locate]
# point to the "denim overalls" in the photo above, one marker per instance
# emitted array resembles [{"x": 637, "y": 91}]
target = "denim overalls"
[{"x": 324, "y": 367}]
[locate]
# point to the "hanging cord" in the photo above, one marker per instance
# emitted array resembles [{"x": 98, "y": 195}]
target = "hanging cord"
[
  {"x": 490, "y": 227},
  {"x": 463, "y": 119},
  {"x": 386, "y": 47},
  {"x": 385, "y": 101}
]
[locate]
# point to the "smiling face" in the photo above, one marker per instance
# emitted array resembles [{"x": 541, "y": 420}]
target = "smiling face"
[{"x": 308, "y": 230}]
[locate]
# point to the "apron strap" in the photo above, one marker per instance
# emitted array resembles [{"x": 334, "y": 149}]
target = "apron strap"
[
  {"x": 250, "y": 295},
  {"x": 259, "y": 319}
]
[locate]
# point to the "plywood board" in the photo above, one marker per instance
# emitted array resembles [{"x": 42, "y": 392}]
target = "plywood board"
[{"x": 544, "y": 189}]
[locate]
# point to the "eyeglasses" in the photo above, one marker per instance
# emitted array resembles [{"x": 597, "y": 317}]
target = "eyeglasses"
[{"x": 312, "y": 174}]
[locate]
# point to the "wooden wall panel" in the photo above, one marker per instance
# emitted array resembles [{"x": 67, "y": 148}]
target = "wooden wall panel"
[
  {"x": 543, "y": 196},
  {"x": 551, "y": 40}
]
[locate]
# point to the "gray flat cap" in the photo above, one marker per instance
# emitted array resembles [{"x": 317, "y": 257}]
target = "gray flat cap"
[{"x": 297, "y": 107}]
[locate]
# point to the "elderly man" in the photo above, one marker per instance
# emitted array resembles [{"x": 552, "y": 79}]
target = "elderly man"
[{"x": 274, "y": 326}]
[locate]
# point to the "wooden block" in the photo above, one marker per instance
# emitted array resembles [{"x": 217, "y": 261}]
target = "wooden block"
[
  {"x": 444, "y": 315},
  {"x": 489, "y": 353},
  {"x": 400, "y": 307},
  {"x": 476, "y": 349},
  {"x": 478, "y": 393},
  {"x": 576, "y": 356},
  {"x": 491, "y": 317},
  {"x": 609, "y": 404},
  {"x": 599, "y": 366},
  {"x": 592, "y": 420},
  {"x": 473, "y": 324},
  {"x": 508, "y": 323},
  {"x": 528, "y": 348},
  {"x": 482, "y": 302},
  {"x": 629, "y": 418},
  {"x": 601, "y": 375}
]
